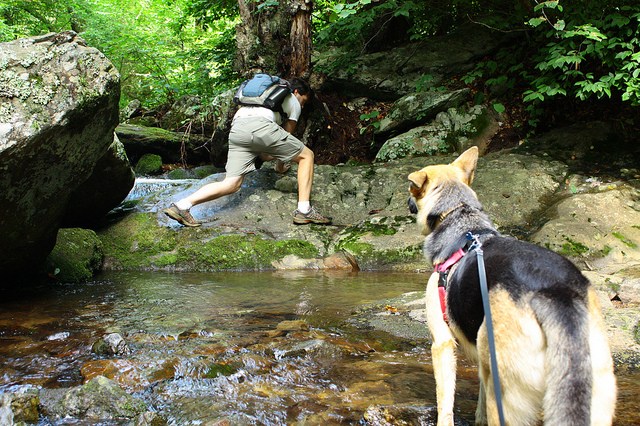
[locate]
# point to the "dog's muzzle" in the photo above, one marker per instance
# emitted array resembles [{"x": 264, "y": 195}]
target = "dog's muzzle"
[{"x": 413, "y": 207}]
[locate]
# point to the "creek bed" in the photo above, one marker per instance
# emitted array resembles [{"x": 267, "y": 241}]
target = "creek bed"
[{"x": 247, "y": 348}]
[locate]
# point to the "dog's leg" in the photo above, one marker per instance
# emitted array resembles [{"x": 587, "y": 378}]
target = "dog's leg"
[
  {"x": 442, "y": 352},
  {"x": 481, "y": 409},
  {"x": 603, "y": 394}
]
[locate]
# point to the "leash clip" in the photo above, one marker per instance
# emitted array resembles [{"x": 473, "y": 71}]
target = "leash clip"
[
  {"x": 442, "y": 280},
  {"x": 475, "y": 242}
]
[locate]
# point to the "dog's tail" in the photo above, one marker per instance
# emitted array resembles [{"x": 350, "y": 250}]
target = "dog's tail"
[{"x": 564, "y": 318}]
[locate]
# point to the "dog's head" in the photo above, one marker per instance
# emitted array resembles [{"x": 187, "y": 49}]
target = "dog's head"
[{"x": 436, "y": 190}]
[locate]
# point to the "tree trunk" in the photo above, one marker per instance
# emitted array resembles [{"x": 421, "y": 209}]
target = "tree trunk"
[
  {"x": 300, "y": 59},
  {"x": 275, "y": 39}
]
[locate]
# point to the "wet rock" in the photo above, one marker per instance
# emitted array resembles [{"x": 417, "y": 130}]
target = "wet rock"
[
  {"x": 98, "y": 399},
  {"x": 221, "y": 369},
  {"x": 18, "y": 407},
  {"x": 125, "y": 373},
  {"x": 402, "y": 414},
  {"x": 6, "y": 414},
  {"x": 150, "y": 418},
  {"x": 111, "y": 344},
  {"x": 343, "y": 261},
  {"x": 321, "y": 350},
  {"x": 293, "y": 325},
  {"x": 293, "y": 262}
]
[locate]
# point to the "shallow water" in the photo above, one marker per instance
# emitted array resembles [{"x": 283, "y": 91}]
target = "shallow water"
[{"x": 252, "y": 348}]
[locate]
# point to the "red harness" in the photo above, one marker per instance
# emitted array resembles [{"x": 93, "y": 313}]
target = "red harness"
[{"x": 443, "y": 269}]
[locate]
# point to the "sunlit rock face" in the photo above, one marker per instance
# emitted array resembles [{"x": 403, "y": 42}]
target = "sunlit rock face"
[{"x": 58, "y": 111}]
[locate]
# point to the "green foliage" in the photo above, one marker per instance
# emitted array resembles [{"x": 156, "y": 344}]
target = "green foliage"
[
  {"x": 22, "y": 18},
  {"x": 588, "y": 53},
  {"x": 371, "y": 119},
  {"x": 352, "y": 25},
  {"x": 574, "y": 51},
  {"x": 163, "y": 49}
]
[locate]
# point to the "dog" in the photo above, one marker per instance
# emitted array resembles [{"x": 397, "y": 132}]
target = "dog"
[{"x": 554, "y": 361}]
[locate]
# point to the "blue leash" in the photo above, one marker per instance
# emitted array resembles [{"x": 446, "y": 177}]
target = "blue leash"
[{"x": 484, "y": 289}]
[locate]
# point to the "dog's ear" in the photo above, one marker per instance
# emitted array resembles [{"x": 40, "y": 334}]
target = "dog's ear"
[
  {"x": 467, "y": 162},
  {"x": 417, "y": 179}
]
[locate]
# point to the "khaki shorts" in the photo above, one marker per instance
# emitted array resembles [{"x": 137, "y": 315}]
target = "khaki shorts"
[{"x": 250, "y": 137}]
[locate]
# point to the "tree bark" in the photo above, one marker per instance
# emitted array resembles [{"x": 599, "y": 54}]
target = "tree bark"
[
  {"x": 300, "y": 37},
  {"x": 276, "y": 39}
]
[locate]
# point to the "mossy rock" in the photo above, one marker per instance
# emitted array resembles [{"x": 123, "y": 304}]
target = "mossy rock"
[
  {"x": 137, "y": 243},
  {"x": 202, "y": 172},
  {"x": 149, "y": 164},
  {"x": 76, "y": 256},
  {"x": 371, "y": 243},
  {"x": 178, "y": 174}
]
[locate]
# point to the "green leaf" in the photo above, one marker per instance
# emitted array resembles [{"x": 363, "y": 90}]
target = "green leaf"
[
  {"x": 499, "y": 108},
  {"x": 559, "y": 26},
  {"x": 534, "y": 22}
]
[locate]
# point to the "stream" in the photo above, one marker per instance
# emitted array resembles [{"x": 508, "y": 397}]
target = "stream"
[{"x": 264, "y": 348}]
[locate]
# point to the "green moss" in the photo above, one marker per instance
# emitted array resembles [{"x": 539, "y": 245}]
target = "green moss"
[
  {"x": 166, "y": 260},
  {"x": 357, "y": 249},
  {"x": 371, "y": 257},
  {"x": 220, "y": 369},
  {"x": 149, "y": 164},
  {"x": 573, "y": 248},
  {"x": 237, "y": 252},
  {"x": 204, "y": 171},
  {"x": 385, "y": 226},
  {"x": 77, "y": 255},
  {"x": 615, "y": 287},
  {"x": 179, "y": 174},
  {"x": 627, "y": 242},
  {"x": 137, "y": 242}
]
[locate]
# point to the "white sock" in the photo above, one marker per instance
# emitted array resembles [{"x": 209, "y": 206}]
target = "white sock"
[
  {"x": 183, "y": 205},
  {"x": 304, "y": 207}
]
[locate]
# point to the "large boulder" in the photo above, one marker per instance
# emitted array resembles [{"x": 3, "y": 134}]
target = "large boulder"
[
  {"x": 426, "y": 64},
  {"x": 417, "y": 108},
  {"x": 58, "y": 111},
  {"x": 108, "y": 185}
]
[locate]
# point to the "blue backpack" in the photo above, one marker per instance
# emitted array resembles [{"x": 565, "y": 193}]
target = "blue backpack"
[{"x": 263, "y": 90}]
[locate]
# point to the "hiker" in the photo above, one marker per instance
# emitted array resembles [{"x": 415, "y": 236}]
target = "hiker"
[{"x": 257, "y": 134}]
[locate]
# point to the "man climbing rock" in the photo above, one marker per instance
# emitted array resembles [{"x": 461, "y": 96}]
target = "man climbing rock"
[{"x": 261, "y": 134}]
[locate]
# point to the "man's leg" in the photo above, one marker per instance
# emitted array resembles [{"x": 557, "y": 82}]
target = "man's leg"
[
  {"x": 305, "y": 213},
  {"x": 179, "y": 211},
  {"x": 214, "y": 190},
  {"x": 305, "y": 174}
]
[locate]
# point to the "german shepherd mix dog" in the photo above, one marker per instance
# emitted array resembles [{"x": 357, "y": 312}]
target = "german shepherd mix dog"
[{"x": 554, "y": 362}]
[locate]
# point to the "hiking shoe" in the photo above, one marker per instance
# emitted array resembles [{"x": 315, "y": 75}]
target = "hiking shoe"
[
  {"x": 313, "y": 216},
  {"x": 182, "y": 216},
  {"x": 282, "y": 167}
]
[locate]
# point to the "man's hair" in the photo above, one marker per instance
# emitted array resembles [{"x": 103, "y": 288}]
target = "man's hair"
[{"x": 301, "y": 86}]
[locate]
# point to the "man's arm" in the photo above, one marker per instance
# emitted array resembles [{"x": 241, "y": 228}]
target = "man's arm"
[{"x": 290, "y": 126}]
